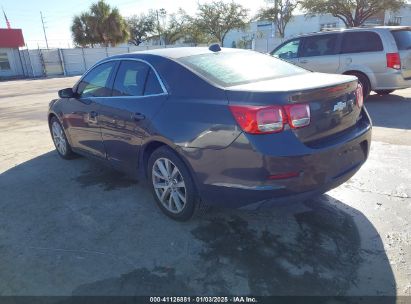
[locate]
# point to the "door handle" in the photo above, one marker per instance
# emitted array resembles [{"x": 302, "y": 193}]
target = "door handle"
[
  {"x": 304, "y": 61},
  {"x": 138, "y": 116},
  {"x": 348, "y": 60},
  {"x": 92, "y": 116}
]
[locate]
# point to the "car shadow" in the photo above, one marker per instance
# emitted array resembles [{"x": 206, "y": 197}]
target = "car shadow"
[
  {"x": 76, "y": 228},
  {"x": 390, "y": 111}
]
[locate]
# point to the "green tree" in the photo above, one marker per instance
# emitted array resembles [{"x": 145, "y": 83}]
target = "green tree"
[
  {"x": 280, "y": 13},
  {"x": 81, "y": 30},
  {"x": 352, "y": 12},
  {"x": 176, "y": 27},
  {"x": 141, "y": 27},
  {"x": 194, "y": 34},
  {"x": 101, "y": 25},
  {"x": 218, "y": 18}
]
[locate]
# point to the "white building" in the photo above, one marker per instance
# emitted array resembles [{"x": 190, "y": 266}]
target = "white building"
[
  {"x": 263, "y": 36},
  {"x": 10, "y": 60},
  {"x": 402, "y": 17}
]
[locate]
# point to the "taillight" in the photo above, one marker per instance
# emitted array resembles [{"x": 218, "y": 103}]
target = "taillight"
[
  {"x": 259, "y": 119},
  {"x": 359, "y": 96},
  {"x": 298, "y": 115},
  {"x": 270, "y": 119},
  {"x": 393, "y": 61}
]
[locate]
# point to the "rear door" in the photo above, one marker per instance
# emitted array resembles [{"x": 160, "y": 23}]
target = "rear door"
[
  {"x": 288, "y": 51},
  {"x": 362, "y": 49},
  {"x": 320, "y": 53},
  {"x": 125, "y": 118},
  {"x": 403, "y": 39}
]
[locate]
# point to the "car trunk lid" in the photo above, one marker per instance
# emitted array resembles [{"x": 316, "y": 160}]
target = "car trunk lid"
[{"x": 331, "y": 99}]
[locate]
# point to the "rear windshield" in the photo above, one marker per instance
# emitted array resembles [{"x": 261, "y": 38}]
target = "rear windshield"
[
  {"x": 234, "y": 68},
  {"x": 403, "y": 39}
]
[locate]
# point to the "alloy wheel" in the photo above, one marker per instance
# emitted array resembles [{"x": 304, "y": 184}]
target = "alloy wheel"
[
  {"x": 59, "y": 138},
  {"x": 169, "y": 185}
]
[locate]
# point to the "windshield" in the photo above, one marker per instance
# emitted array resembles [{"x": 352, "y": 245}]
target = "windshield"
[
  {"x": 403, "y": 39},
  {"x": 234, "y": 68}
]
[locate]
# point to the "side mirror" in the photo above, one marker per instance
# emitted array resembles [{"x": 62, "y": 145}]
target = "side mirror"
[{"x": 66, "y": 93}]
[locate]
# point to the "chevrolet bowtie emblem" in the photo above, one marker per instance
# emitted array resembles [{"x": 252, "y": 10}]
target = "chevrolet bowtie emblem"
[{"x": 339, "y": 106}]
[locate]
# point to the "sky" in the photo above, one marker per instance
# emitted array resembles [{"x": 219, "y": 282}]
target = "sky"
[{"x": 58, "y": 15}]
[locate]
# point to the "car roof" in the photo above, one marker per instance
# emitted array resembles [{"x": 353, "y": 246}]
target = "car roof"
[{"x": 179, "y": 52}]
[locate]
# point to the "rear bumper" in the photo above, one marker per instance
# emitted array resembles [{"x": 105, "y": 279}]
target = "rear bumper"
[
  {"x": 256, "y": 199},
  {"x": 392, "y": 80},
  {"x": 237, "y": 176}
]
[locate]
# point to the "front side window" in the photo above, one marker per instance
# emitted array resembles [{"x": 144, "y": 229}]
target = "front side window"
[
  {"x": 288, "y": 50},
  {"x": 135, "y": 78},
  {"x": 320, "y": 45},
  {"x": 360, "y": 42},
  {"x": 4, "y": 62},
  {"x": 239, "y": 67},
  {"x": 96, "y": 82}
]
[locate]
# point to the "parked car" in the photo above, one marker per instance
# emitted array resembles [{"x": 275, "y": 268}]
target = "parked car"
[
  {"x": 379, "y": 57},
  {"x": 215, "y": 127}
]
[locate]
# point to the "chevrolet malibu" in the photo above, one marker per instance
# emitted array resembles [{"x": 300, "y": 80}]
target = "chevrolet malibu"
[{"x": 212, "y": 126}]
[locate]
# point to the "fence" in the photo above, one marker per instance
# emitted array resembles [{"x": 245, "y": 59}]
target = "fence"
[{"x": 69, "y": 62}]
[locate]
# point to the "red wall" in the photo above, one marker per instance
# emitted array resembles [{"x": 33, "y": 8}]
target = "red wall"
[{"x": 11, "y": 38}]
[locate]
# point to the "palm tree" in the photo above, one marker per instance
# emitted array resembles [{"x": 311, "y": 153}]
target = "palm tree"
[
  {"x": 117, "y": 28},
  {"x": 101, "y": 25},
  {"x": 82, "y": 33}
]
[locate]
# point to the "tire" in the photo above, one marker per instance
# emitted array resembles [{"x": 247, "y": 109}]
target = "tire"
[
  {"x": 364, "y": 81},
  {"x": 384, "y": 92},
  {"x": 60, "y": 141},
  {"x": 174, "y": 191}
]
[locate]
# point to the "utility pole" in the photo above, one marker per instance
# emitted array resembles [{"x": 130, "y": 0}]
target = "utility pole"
[
  {"x": 158, "y": 27},
  {"x": 162, "y": 12},
  {"x": 44, "y": 30}
]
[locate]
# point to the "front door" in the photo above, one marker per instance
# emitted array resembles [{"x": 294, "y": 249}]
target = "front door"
[
  {"x": 82, "y": 113},
  {"x": 125, "y": 117},
  {"x": 288, "y": 51}
]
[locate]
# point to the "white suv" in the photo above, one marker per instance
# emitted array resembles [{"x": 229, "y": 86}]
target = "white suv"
[{"x": 380, "y": 57}]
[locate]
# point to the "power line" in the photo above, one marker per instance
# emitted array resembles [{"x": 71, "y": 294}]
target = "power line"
[{"x": 44, "y": 30}]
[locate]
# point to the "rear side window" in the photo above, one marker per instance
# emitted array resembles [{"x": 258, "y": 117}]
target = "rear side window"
[
  {"x": 135, "y": 78},
  {"x": 239, "y": 67},
  {"x": 320, "y": 45},
  {"x": 403, "y": 39},
  {"x": 153, "y": 87},
  {"x": 130, "y": 79},
  {"x": 359, "y": 42}
]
